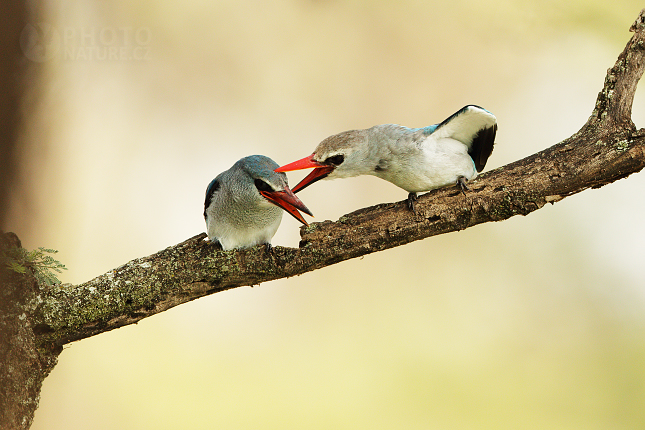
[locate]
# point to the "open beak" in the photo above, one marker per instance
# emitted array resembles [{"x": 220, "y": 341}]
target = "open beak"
[
  {"x": 320, "y": 171},
  {"x": 288, "y": 201}
]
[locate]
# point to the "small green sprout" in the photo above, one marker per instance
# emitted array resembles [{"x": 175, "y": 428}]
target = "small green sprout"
[{"x": 43, "y": 266}]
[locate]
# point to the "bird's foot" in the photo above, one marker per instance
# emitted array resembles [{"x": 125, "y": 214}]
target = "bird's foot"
[
  {"x": 412, "y": 198},
  {"x": 215, "y": 243},
  {"x": 462, "y": 181},
  {"x": 268, "y": 248}
]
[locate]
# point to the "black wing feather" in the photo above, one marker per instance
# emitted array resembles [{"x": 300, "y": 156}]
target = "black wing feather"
[
  {"x": 482, "y": 146},
  {"x": 212, "y": 187}
]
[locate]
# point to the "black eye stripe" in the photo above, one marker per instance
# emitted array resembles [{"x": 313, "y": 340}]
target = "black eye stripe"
[
  {"x": 335, "y": 160},
  {"x": 262, "y": 186}
]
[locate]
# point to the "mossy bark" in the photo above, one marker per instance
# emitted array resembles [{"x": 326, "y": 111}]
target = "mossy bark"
[{"x": 24, "y": 361}]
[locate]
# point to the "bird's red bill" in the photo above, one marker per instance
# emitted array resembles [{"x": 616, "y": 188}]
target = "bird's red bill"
[
  {"x": 320, "y": 171},
  {"x": 304, "y": 163},
  {"x": 317, "y": 174},
  {"x": 288, "y": 201}
]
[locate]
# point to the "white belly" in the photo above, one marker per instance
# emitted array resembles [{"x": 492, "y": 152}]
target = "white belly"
[
  {"x": 435, "y": 165},
  {"x": 232, "y": 233}
]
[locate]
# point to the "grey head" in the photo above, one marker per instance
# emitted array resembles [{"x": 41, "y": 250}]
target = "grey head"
[
  {"x": 342, "y": 155},
  {"x": 250, "y": 186}
]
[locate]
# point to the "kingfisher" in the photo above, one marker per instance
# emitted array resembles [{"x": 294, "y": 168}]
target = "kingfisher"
[
  {"x": 244, "y": 204},
  {"x": 415, "y": 159}
]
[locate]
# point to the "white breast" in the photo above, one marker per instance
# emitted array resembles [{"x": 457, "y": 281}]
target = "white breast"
[
  {"x": 242, "y": 226},
  {"x": 230, "y": 237},
  {"x": 429, "y": 165}
]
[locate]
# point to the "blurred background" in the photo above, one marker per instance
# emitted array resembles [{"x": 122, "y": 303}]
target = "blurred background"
[{"x": 531, "y": 323}]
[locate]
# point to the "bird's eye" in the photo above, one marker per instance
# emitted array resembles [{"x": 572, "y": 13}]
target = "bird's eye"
[
  {"x": 262, "y": 186},
  {"x": 335, "y": 160}
]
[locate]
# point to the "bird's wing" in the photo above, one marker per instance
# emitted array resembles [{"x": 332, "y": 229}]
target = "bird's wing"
[
  {"x": 212, "y": 187},
  {"x": 475, "y": 127},
  {"x": 396, "y": 137}
]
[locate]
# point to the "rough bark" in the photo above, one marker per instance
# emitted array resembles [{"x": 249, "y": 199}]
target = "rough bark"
[
  {"x": 607, "y": 148},
  {"x": 23, "y": 363}
]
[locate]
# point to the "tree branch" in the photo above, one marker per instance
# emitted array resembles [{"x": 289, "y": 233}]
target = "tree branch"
[
  {"x": 36, "y": 321},
  {"x": 607, "y": 148}
]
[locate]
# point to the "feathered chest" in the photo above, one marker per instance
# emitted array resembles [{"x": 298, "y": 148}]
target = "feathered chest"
[{"x": 424, "y": 165}]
